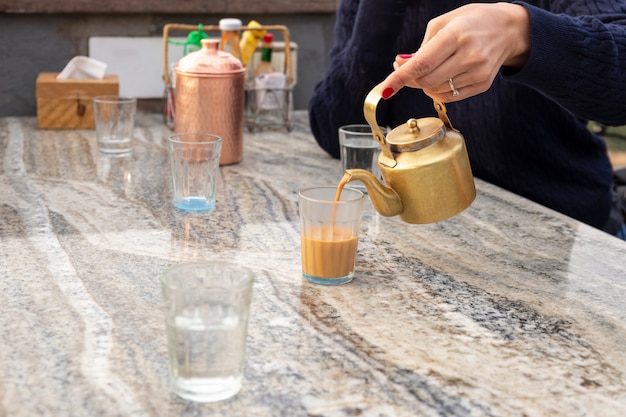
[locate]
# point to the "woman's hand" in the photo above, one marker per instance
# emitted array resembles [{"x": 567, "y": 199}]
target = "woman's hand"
[{"x": 463, "y": 50}]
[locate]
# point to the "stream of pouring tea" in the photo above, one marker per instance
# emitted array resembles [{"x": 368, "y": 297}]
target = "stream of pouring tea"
[{"x": 342, "y": 183}]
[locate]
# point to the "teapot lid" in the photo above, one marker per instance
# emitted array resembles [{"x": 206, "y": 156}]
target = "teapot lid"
[
  {"x": 210, "y": 60},
  {"x": 416, "y": 134}
]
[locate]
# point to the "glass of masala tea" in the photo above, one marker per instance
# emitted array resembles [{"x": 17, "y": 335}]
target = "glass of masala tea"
[{"x": 330, "y": 221}]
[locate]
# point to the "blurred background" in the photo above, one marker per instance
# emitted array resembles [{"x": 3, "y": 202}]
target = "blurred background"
[{"x": 43, "y": 35}]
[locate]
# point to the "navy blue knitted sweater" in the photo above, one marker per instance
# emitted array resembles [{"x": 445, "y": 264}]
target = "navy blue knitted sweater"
[{"x": 528, "y": 133}]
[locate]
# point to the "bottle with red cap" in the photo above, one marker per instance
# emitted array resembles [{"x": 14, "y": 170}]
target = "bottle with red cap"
[
  {"x": 265, "y": 66},
  {"x": 269, "y": 84}
]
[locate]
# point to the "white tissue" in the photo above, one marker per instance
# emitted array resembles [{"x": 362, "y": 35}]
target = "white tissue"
[
  {"x": 81, "y": 67},
  {"x": 269, "y": 89}
]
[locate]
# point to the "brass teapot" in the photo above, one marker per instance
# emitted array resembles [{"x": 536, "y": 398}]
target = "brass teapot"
[{"x": 424, "y": 164}]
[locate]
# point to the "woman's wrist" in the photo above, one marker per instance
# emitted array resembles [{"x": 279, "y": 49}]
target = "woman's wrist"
[{"x": 519, "y": 35}]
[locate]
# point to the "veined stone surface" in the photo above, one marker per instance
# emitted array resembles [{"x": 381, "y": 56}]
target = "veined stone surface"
[{"x": 508, "y": 309}]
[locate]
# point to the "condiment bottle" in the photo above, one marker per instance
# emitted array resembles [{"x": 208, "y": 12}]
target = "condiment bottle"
[
  {"x": 269, "y": 84},
  {"x": 249, "y": 40},
  {"x": 265, "y": 66},
  {"x": 231, "y": 35}
]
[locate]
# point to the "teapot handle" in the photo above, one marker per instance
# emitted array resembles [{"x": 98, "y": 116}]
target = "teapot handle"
[
  {"x": 443, "y": 115},
  {"x": 369, "y": 110}
]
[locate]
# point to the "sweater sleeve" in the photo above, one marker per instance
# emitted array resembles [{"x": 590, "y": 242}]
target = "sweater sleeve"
[
  {"x": 578, "y": 57},
  {"x": 361, "y": 57}
]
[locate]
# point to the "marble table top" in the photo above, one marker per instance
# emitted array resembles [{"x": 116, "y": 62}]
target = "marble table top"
[{"x": 508, "y": 309}]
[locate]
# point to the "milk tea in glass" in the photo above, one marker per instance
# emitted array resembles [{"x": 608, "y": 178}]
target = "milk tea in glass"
[{"x": 329, "y": 228}]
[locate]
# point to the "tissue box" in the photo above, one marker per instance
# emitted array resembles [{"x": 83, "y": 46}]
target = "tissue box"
[{"x": 66, "y": 104}]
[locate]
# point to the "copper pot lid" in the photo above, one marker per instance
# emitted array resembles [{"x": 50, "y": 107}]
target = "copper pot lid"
[
  {"x": 209, "y": 60},
  {"x": 416, "y": 134}
]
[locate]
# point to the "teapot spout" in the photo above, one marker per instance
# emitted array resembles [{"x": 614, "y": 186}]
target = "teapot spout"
[{"x": 385, "y": 200}]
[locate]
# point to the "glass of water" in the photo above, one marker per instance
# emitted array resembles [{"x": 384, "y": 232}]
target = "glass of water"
[
  {"x": 359, "y": 149},
  {"x": 206, "y": 312}
]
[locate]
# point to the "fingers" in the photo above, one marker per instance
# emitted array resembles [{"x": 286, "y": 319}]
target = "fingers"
[
  {"x": 425, "y": 69},
  {"x": 468, "y": 45},
  {"x": 449, "y": 96},
  {"x": 439, "y": 89},
  {"x": 444, "y": 90},
  {"x": 399, "y": 61}
]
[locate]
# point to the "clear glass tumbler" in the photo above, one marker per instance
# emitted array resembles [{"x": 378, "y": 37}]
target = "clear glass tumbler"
[
  {"x": 206, "y": 312},
  {"x": 359, "y": 149},
  {"x": 115, "y": 122},
  {"x": 329, "y": 231},
  {"x": 194, "y": 166}
]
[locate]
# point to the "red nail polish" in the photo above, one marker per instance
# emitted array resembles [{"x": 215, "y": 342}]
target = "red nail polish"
[
  {"x": 405, "y": 56},
  {"x": 387, "y": 92}
]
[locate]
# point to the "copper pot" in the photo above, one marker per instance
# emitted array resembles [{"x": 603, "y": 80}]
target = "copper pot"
[{"x": 210, "y": 97}]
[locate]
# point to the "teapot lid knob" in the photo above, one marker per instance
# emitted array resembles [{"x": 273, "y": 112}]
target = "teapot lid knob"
[{"x": 413, "y": 125}]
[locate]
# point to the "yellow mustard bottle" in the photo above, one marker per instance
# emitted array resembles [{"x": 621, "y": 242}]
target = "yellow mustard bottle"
[{"x": 249, "y": 41}]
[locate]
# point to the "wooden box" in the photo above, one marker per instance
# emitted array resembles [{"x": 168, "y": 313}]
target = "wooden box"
[{"x": 67, "y": 104}]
